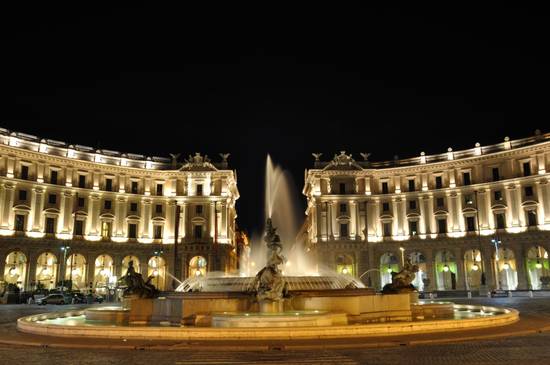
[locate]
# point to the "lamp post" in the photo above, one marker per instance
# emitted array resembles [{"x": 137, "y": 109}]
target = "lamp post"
[
  {"x": 483, "y": 278},
  {"x": 157, "y": 254},
  {"x": 496, "y": 242},
  {"x": 65, "y": 248}
]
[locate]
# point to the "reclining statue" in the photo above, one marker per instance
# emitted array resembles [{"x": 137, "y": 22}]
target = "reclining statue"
[
  {"x": 402, "y": 281},
  {"x": 135, "y": 285}
]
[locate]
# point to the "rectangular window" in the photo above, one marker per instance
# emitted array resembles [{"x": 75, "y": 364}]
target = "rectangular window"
[
  {"x": 387, "y": 229},
  {"x": 470, "y": 224},
  {"x": 344, "y": 230},
  {"x": 342, "y": 188},
  {"x": 78, "y": 228},
  {"x": 442, "y": 225},
  {"x": 106, "y": 229},
  {"x": 199, "y": 189},
  {"x": 385, "y": 188},
  {"x": 468, "y": 199},
  {"x": 343, "y": 208},
  {"x": 132, "y": 230},
  {"x": 466, "y": 179},
  {"x": 439, "y": 182},
  {"x": 526, "y": 169},
  {"x": 50, "y": 225},
  {"x": 52, "y": 199},
  {"x": 53, "y": 177},
  {"x": 109, "y": 184},
  {"x": 159, "y": 189},
  {"x": 24, "y": 172},
  {"x": 157, "y": 232},
  {"x": 134, "y": 187},
  {"x": 107, "y": 204},
  {"x": 158, "y": 208},
  {"x": 198, "y": 232},
  {"x": 19, "y": 225},
  {"x": 412, "y": 204},
  {"x": 413, "y": 228},
  {"x": 500, "y": 220},
  {"x": 22, "y": 194},
  {"x": 496, "y": 174},
  {"x": 198, "y": 209},
  {"x": 385, "y": 207},
  {"x": 81, "y": 202},
  {"x": 133, "y": 207},
  {"x": 497, "y": 195},
  {"x": 411, "y": 185},
  {"x": 532, "y": 218},
  {"x": 528, "y": 191},
  {"x": 440, "y": 202},
  {"x": 81, "y": 181}
]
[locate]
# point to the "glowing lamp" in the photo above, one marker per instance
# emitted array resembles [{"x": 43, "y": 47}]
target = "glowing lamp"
[
  {"x": 155, "y": 272},
  {"x": 475, "y": 267},
  {"x": 446, "y": 268},
  {"x": 345, "y": 271},
  {"x": 538, "y": 265},
  {"x": 389, "y": 270},
  {"x": 198, "y": 273},
  {"x": 13, "y": 271},
  {"x": 506, "y": 266}
]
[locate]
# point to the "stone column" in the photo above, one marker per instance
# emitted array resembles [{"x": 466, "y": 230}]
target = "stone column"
[
  {"x": 542, "y": 209},
  {"x": 353, "y": 221},
  {"x": 430, "y": 269},
  {"x": 8, "y": 215},
  {"x": 146, "y": 219},
  {"x": 65, "y": 216},
  {"x": 460, "y": 271},
  {"x": 318, "y": 221},
  {"x": 93, "y": 215},
  {"x": 329, "y": 221},
  {"x": 183, "y": 221},
  {"x": 35, "y": 223},
  {"x": 169, "y": 228},
  {"x": 512, "y": 219},
  {"x": 120, "y": 217},
  {"x": 520, "y": 254},
  {"x": 212, "y": 219}
]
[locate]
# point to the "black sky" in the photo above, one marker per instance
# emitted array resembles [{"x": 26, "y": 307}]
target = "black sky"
[{"x": 156, "y": 80}]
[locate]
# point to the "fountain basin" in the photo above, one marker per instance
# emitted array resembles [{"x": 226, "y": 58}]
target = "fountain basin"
[
  {"x": 282, "y": 319},
  {"x": 74, "y": 324}
]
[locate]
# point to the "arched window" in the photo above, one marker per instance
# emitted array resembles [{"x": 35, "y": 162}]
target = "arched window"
[
  {"x": 197, "y": 266},
  {"x": 46, "y": 270},
  {"x": 16, "y": 269}
]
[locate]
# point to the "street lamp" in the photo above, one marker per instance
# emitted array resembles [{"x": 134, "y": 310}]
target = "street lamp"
[
  {"x": 64, "y": 248},
  {"x": 496, "y": 242}
]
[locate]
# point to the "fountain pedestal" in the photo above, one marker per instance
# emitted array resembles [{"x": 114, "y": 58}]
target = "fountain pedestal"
[{"x": 271, "y": 306}]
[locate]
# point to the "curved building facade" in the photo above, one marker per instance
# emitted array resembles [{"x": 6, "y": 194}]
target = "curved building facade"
[
  {"x": 473, "y": 219},
  {"x": 75, "y": 213}
]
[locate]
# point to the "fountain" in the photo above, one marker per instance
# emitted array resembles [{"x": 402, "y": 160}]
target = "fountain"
[{"x": 271, "y": 304}]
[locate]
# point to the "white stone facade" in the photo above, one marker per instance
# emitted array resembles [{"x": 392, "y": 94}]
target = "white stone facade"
[
  {"x": 444, "y": 212},
  {"x": 107, "y": 206}
]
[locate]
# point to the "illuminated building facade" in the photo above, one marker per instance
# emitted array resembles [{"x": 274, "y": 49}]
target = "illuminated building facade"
[
  {"x": 75, "y": 213},
  {"x": 470, "y": 220}
]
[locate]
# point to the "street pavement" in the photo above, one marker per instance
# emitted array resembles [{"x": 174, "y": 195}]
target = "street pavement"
[{"x": 509, "y": 350}]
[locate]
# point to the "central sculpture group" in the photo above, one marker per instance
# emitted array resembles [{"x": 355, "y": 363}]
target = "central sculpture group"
[{"x": 269, "y": 283}]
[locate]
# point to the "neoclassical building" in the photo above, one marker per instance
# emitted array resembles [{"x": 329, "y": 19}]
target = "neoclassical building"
[
  {"x": 478, "y": 218},
  {"x": 71, "y": 212}
]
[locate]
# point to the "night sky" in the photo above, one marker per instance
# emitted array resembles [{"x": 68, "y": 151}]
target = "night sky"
[{"x": 159, "y": 80}]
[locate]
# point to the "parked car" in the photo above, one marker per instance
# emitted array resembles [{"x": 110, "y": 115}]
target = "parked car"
[
  {"x": 98, "y": 298},
  {"x": 78, "y": 298},
  {"x": 55, "y": 299}
]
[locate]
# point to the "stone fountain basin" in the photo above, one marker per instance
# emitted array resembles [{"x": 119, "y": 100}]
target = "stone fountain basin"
[
  {"x": 283, "y": 319},
  {"x": 74, "y": 324}
]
